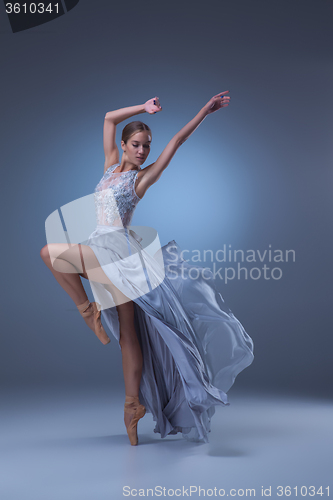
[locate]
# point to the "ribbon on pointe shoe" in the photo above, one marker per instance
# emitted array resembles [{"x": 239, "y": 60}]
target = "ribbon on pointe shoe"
[
  {"x": 99, "y": 329},
  {"x": 94, "y": 311}
]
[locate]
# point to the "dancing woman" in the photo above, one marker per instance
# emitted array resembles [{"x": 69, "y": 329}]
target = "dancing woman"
[{"x": 167, "y": 346}]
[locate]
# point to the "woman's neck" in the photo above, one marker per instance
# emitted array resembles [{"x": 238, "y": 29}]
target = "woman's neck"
[{"x": 126, "y": 165}]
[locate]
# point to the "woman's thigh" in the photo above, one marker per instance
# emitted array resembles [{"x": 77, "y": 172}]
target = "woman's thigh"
[
  {"x": 86, "y": 264},
  {"x": 84, "y": 261}
]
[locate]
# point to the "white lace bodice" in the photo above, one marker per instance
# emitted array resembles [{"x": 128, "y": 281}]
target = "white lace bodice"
[{"x": 115, "y": 197}]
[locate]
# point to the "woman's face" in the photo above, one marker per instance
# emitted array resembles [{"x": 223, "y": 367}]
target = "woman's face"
[{"x": 137, "y": 147}]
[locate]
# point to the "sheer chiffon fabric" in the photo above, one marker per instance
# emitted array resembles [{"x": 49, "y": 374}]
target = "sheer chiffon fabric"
[{"x": 193, "y": 346}]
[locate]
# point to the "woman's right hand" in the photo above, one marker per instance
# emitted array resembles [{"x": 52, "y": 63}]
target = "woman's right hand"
[{"x": 153, "y": 106}]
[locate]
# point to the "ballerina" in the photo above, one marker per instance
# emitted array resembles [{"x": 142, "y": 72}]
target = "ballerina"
[{"x": 167, "y": 348}]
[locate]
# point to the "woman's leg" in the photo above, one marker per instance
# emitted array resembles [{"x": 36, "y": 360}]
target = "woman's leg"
[
  {"x": 131, "y": 352},
  {"x": 68, "y": 274},
  {"x": 68, "y": 263}
]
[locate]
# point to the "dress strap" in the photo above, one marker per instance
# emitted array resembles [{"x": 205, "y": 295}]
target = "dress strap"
[
  {"x": 134, "y": 183},
  {"x": 112, "y": 168}
]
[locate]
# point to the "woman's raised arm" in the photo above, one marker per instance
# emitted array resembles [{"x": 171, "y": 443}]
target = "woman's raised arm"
[
  {"x": 154, "y": 171},
  {"x": 112, "y": 118}
]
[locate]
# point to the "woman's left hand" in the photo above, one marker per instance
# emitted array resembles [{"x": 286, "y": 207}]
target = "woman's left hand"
[{"x": 218, "y": 101}]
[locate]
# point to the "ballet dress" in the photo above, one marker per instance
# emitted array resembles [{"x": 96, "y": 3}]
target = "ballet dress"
[{"x": 193, "y": 347}]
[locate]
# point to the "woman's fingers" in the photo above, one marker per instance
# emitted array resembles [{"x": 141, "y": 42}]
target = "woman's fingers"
[
  {"x": 224, "y": 99},
  {"x": 224, "y": 103},
  {"x": 221, "y": 95},
  {"x": 153, "y": 105},
  {"x": 219, "y": 101},
  {"x": 221, "y": 98},
  {"x": 157, "y": 105}
]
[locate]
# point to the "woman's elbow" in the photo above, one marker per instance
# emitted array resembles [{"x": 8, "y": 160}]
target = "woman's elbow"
[
  {"x": 109, "y": 116},
  {"x": 179, "y": 141}
]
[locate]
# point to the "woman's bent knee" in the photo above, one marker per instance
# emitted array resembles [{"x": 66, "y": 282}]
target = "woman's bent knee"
[
  {"x": 128, "y": 337},
  {"x": 44, "y": 253}
]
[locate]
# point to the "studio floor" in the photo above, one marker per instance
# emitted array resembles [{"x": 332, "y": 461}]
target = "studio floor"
[{"x": 71, "y": 444}]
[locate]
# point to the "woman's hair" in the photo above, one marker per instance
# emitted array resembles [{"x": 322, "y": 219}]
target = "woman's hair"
[{"x": 132, "y": 128}]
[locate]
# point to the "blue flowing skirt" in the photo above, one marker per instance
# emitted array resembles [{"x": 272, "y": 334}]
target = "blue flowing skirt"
[{"x": 193, "y": 347}]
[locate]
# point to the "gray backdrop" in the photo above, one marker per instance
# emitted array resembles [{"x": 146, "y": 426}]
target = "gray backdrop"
[{"x": 255, "y": 174}]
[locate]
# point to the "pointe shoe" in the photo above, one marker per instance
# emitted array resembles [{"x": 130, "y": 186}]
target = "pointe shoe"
[
  {"x": 98, "y": 327},
  {"x": 133, "y": 406}
]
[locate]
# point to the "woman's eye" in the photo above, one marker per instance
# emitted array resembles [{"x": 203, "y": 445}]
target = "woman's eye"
[{"x": 145, "y": 146}]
